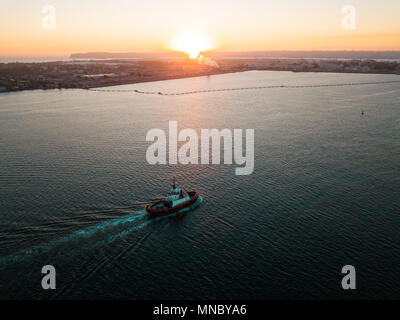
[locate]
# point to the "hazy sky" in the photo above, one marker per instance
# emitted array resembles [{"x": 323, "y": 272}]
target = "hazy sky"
[{"x": 149, "y": 25}]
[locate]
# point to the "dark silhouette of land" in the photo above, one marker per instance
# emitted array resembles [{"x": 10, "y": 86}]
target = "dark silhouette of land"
[{"x": 146, "y": 67}]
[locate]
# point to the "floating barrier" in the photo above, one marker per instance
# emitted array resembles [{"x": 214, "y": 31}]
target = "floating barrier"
[{"x": 244, "y": 88}]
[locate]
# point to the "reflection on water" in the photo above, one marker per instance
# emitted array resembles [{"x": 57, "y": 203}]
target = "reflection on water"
[{"x": 322, "y": 195}]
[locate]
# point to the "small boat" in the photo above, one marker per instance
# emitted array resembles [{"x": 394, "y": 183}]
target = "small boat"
[{"x": 177, "y": 200}]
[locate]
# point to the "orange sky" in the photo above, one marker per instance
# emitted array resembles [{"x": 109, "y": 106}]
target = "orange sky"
[{"x": 234, "y": 25}]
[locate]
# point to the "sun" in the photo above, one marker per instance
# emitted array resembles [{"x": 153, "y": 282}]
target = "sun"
[{"x": 192, "y": 43}]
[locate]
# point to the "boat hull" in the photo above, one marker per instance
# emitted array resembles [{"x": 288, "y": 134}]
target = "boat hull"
[{"x": 194, "y": 195}]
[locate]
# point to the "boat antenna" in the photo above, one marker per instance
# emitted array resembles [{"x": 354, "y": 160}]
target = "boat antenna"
[{"x": 173, "y": 185}]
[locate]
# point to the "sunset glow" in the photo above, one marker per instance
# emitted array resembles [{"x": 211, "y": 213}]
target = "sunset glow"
[
  {"x": 159, "y": 26},
  {"x": 192, "y": 44}
]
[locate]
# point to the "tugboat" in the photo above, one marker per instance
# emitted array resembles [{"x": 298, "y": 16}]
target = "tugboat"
[{"x": 175, "y": 201}]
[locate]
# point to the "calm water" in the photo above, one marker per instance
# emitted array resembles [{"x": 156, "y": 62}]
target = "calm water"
[{"x": 325, "y": 192}]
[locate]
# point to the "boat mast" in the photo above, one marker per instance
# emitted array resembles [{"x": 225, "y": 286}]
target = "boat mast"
[{"x": 173, "y": 185}]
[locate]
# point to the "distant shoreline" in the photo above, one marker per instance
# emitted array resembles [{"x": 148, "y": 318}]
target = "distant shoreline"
[
  {"x": 386, "y": 55},
  {"x": 106, "y": 73},
  {"x": 256, "y": 54}
]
